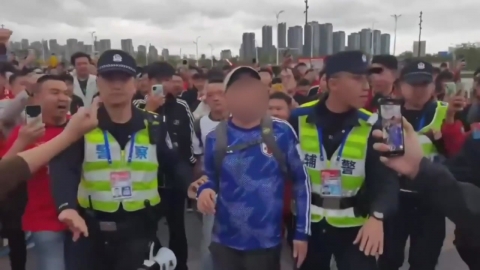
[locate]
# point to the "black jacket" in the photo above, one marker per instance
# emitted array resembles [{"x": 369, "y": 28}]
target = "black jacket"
[{"x": 176, "y": 114}]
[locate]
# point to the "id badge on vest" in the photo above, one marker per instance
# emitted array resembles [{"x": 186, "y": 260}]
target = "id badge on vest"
[
  {"x": 331, "y": 183},
  {"x": 121, "y": 184}
]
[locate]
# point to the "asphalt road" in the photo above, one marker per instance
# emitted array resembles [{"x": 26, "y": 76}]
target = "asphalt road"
[{"x": 448, "y": 260}]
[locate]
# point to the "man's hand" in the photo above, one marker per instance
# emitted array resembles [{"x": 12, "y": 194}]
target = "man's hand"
[
  {"x": 206, "y": 202},
  {"x": 409, "y": 163},
  {"x": 370, "y": 237},
  {"x": 75, "y": 223},
  {"x": 31, "y": 132},
  {"x": 455, "y": 104},
  {"x": 83, "y": 121},
  {"x": 193, "y": 188},
  {"x": 434, "y": 135},
  {"x": 154, "y": 102},
  {"x": 300, "y": 249}
]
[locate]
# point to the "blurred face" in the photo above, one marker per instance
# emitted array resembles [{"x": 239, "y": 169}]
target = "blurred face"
[
  {"x": 177, "y": 85},
  {"x": 17, "y": 86},
  {"x": 350, "y": 88},
  {"x": 215, "y": 97},
  {"x": 247, "y": 98},
  {"x": 142, "y": 84},
  {"x": 417, "y": 95},
  {"x": 266, "y": 78},
  {"x": 279, "y": 108},
  {"x": 116, "y": 89},
  {"x": 82, "y": 65},
  {"x": 303, "y": 89},
  {"x": 199, "y": 83},
  {"x": 53, "y": 99},
  {"x": 302, "y": 70},
  {"x": 323, "y": 83},
  {"x": 381, "y": 78},
  {"x": 311, "y": 76}
]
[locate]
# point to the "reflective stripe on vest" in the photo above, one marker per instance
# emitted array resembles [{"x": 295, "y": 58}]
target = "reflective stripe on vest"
[
  {"x": 351, "y": 165},
  {"x": 95, "y": 184}
]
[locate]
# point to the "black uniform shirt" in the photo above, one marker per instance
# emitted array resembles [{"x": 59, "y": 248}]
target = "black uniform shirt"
[
  {"x": 66, "y": 168},
  {"x": 381, "y": 182}
]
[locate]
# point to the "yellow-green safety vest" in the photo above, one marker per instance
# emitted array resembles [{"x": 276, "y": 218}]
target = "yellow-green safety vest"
[
  {"x": 429, "y": 149},
  {"x": 95, "y": 184},
  {"x": 351, "y": 166}
]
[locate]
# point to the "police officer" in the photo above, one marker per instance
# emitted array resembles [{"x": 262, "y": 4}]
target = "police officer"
[
  {"x": 434, "y": 122},
  {"x": 352, "y": 190},
  {"x": 113, "y": 169}
]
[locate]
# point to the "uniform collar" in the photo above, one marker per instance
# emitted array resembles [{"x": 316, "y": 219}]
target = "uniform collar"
[
  {"x": 136, "y": 123},
  {"x": 320, "y": 111}
]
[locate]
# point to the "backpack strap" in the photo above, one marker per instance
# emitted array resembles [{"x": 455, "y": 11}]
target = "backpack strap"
[
  {"x": 198, "y": 130},
  {"x": 269, "y": 139},
  {"x": 221, "y": 145}
]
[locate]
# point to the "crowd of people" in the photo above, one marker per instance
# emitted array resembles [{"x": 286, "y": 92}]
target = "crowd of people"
[{"x": 266, "y": 157}]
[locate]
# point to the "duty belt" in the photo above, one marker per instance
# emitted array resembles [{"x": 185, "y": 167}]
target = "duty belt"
[{"x": 334, "y": 202}]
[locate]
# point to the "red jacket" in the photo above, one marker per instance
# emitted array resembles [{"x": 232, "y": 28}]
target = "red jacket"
[
  {"x": 453, "y": 137},
  {"x": 40, "y": 212}
]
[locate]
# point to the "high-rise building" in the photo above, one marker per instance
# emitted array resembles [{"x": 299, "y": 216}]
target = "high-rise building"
[
  {"x": 152, "y": 53},
  {"x": 419, "y": 48},
  {"x": 377, "y": 42},
  {"x": 326, "y": 39},
  {"x": 308, "y": 44},
  {"x": 225, "y": 54},
  {"x": 315, "y": 38},
  {"x": 142, "y": 49},
  {"x": 295, "y": 39},
  {"x": 25, "y": 44},
  {"x": 53, "y": 45},
  {"x": 385, "y": 44},
  {"x": 365, "y": 40},
  {"x": 248, "y": 46},
  {"x": 88, "y": 49},
  {"x": 354, "y": 42},
  {"x": 104, "y": 45},
  {"x": 338, "y": 41},
  {"x": 46, "y": 50},
  {"x": 71, "y": 47},
  {"x": 81, "y": 46},
  {"x": 165, "y": 54},
  {"x": 127, "y": 45},
  {"x": 281, "y": 36},
  {"x": 267, "y": 37}
]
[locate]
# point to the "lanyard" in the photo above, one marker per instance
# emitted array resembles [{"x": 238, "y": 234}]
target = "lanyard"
[
  {"x": 122, "y": 152},
  {"x": 421, "y": 123},
  {"x": 340, "y": 149}
]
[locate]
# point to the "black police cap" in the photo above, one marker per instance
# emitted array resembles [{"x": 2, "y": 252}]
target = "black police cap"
[
  {"x": 417, "y": 72},
  {"x": 354, "y": 62},
  {"x": 116, "y": 61}
]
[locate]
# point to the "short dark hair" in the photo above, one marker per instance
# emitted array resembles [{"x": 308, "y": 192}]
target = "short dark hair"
[
  {"x": 282, "y": 96},
  {"x": 301, "y": 64},
  {"x": 436, "y": 70},
  {"x": 67, "y": 78},
  {"x": 215, "y": 76},
  {"x": 77, "y": 55},
  {"x": 160, "y": 70},
  {"x": 265, "y": 70},
  {"x": 276, "y": 80},
  {"x": 443, "y": 65},
  {"x": 199, "y": 76},
  {"x": 49, "y": 77},
  {"x": 445, "y": 76},
  {"x": 303, "y": 82}
]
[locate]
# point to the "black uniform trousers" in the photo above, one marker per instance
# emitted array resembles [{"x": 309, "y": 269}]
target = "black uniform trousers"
[
  {"x": 426, "y": 229},
  {"x": 226, "y": 258},
  {"x": 11, "y": 212},
  {"x": 125, "y": 249},
  {"x": 173, "y": 208},
  {"x": 327, "y": 241}
]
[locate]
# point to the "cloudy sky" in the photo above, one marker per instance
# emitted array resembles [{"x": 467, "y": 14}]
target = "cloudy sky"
[{"x": 174, "y": 24}]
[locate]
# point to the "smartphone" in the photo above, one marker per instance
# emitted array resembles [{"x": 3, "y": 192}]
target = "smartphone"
[
  {"x": 157, "y": 89},
  {"x": 450, "y": 89},
  {"x": 33, "y": 113},
  {"x": 391, "y": 117}
]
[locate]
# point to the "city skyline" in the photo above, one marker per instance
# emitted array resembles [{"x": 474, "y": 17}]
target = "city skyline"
[{"x": 150, "y": 22}]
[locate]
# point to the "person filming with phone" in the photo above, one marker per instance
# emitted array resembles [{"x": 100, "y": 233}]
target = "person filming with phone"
[
  {"x": 435, "y": 125},
  {"x": 105, "y": 185},
  {"x": 352, "y": 190}
]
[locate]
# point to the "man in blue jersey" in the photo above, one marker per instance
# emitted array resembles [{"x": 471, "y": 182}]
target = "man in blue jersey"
[{"x": 246, "y": 191}]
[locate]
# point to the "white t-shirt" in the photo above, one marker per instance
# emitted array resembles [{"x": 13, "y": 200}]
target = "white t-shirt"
[{"x": 204, "y": 126}]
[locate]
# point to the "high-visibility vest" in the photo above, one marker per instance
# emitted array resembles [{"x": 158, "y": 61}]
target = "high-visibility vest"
[
  {"x": 351, "y": 166},
  {"x": 429, "y": 149},
  {"x": 95, "y": 190}
]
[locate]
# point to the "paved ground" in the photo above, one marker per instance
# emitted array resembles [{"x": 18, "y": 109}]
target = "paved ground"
[{"x": 449, "y": 259}]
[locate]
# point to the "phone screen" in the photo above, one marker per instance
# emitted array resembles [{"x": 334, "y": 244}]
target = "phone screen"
[
  {"x": 392, "y": 126},
  {"x": 450, "y": 89},
  {"x": 33, "y": 113}
]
